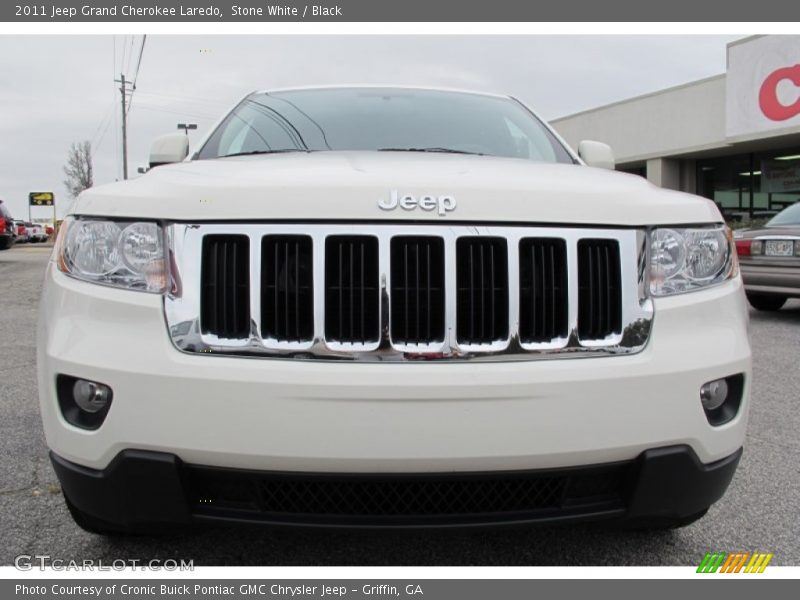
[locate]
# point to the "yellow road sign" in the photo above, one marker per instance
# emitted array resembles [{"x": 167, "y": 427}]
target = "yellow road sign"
[{"x": 41, "y": 199}]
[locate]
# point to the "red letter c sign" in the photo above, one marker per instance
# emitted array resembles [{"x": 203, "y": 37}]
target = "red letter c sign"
[{"x": 768, "y": 95}]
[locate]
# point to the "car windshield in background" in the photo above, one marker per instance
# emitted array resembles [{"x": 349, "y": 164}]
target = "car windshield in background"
[
  {"x": 375, "y": 119},
  {"x": 788, "y": 216}
]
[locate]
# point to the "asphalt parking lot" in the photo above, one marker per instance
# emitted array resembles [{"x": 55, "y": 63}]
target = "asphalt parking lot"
[{"x": 759, "y": 513}]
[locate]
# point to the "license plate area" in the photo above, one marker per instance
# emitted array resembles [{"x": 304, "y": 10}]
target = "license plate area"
[{"x": 779, "y": 248}]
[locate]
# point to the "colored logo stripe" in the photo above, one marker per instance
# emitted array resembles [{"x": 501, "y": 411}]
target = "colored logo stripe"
[
  {"x": 711, "y": 562},
  {"x": 734, "y": 562},
  {"x": 758, "y": 563}
]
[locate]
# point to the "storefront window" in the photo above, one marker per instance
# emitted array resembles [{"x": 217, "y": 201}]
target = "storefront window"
[{"x": 748, "y": 186}]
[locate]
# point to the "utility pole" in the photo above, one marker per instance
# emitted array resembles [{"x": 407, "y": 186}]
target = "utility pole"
[{"x": 123, "y": 90}]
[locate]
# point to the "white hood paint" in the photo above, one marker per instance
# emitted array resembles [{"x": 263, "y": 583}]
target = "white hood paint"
[{"x": 348, "y": 185}]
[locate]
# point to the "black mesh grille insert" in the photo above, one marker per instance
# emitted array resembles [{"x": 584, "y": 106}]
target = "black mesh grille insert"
[
  {"x": 417, "y": 289},
  {"x": 482, "y": 282},
  {"x": 404, "y": 498},
  {"x": 225, "y": 294},
  {"x": 287, "y": 295},
  {"x": 542, "y": 289},
  {"x": 599, "y": 289},
  {"x": 352, "y": 294}
]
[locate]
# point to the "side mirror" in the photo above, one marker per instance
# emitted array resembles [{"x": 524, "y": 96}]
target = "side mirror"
[
  {"x": 596, "y": 154},
  {"x": 170, "y": 148}
]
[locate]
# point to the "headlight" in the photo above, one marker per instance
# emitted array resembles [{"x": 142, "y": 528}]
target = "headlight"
[
  {"x": 122, "y": 254},
  {"x": 682, "y": 260}
]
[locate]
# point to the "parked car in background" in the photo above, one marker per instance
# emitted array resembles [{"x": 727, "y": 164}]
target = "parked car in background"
[
  {"x": 7, "y": 237},
  {"x": 21, "y": 232},
  {"x": 770, "y": 260},
  {"x": 37, "y": 233}
]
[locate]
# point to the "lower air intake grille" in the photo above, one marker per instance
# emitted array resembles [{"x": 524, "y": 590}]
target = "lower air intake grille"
[
  {"x": 403, "y": 498},
  {"x": 599, "y": 289},
  {"x": 482, "y": 282},
  {"x": 417, "y": 290},
  {"x": 287, "y": 298},
  {"x": 352, "y": 299},
  {"x": 225, "y": 295},
  {"x": 543, "y": 310}
]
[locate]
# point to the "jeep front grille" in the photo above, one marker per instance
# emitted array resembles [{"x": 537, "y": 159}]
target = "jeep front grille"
[
  {"x": 599, "y": 301},
  {"x": 418, "y": 282},
  {"x": 482, "y": 298},
  {"x": 351, "y": 289},
  {"x": 543, "y": 308},
  {"x": 225, "y": 292},
  {"x": 287, "y": 288},
  {"x": 407, "y": 292}
]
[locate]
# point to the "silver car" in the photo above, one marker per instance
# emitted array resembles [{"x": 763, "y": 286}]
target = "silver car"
[{"x": 769, "y": 258}]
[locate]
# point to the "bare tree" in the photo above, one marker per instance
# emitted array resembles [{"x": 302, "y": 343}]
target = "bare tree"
[{"x": 78, "y": 168}]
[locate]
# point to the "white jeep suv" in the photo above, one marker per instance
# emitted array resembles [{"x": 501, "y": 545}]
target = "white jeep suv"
[{"x": 391, "y": 307}]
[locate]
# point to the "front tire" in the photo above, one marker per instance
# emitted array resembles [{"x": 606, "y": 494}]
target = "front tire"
[{"x": 766, "y": 302}]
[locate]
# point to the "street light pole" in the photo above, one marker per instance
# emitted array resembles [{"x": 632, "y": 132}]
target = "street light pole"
[{"x": 187, "y": 126}]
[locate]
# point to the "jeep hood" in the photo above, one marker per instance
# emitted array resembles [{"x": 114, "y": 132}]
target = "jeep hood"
[{"x": 348, "y": 186}]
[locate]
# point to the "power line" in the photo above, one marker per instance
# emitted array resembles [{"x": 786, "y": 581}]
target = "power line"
[
  {"x": 102, "y": 136},
  {"x": 189, "y": 99},
  {"x": 139, "y": 61},
  {"x": 175, "y": 112},
  {"x": 130, "y": 56},
  {"x": 136, "y": 74},
  {"x": 103, "y": 125}
]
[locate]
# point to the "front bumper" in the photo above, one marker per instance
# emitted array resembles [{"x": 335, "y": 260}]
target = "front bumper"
[
  {"x": 330, "y": 417},
  {"x": 151, "y": 489},
  {"x": 772, "y": 278}
]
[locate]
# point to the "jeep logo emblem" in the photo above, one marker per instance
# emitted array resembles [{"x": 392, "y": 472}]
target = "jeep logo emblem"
[{"x": 441, "y": 204}]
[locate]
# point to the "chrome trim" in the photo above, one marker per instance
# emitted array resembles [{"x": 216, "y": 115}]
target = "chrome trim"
[
  {"x": 182, "y": 303},
  {"x": 774, "y": 237}
]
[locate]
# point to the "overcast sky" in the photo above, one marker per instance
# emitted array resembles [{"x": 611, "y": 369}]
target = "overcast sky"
[{"x": 55, "y": 90}]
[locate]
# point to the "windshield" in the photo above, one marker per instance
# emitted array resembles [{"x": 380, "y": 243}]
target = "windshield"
[
  {"x": 383, "y": 119},
  {"x": 788, "y": 216}
]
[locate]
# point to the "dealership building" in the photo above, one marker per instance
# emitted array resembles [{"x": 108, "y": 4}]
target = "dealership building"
[{"x": 733, "y": 138}]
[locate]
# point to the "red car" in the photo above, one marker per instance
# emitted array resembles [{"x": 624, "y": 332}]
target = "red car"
[{"x": 7, "y": 237}]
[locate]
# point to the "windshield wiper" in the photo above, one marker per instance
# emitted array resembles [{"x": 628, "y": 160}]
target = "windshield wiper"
[
  {"x": 443, "y": 150},
  {"x": 279, "y": 151}
]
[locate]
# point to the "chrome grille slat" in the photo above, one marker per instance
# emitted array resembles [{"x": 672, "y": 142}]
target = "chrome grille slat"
[{"x": 367, "y": 296}]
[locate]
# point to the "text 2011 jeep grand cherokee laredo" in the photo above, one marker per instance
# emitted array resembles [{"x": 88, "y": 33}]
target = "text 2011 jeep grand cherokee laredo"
[{"x": 391, "y": 307}]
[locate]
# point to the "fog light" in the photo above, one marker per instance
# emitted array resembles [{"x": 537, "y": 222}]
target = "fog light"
[
  {"x": 713, "y": 394},
  {"x": 722, "y": 398},
  {"x": 83, "y": 403},
  {"x": 89, "y": 396}
]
